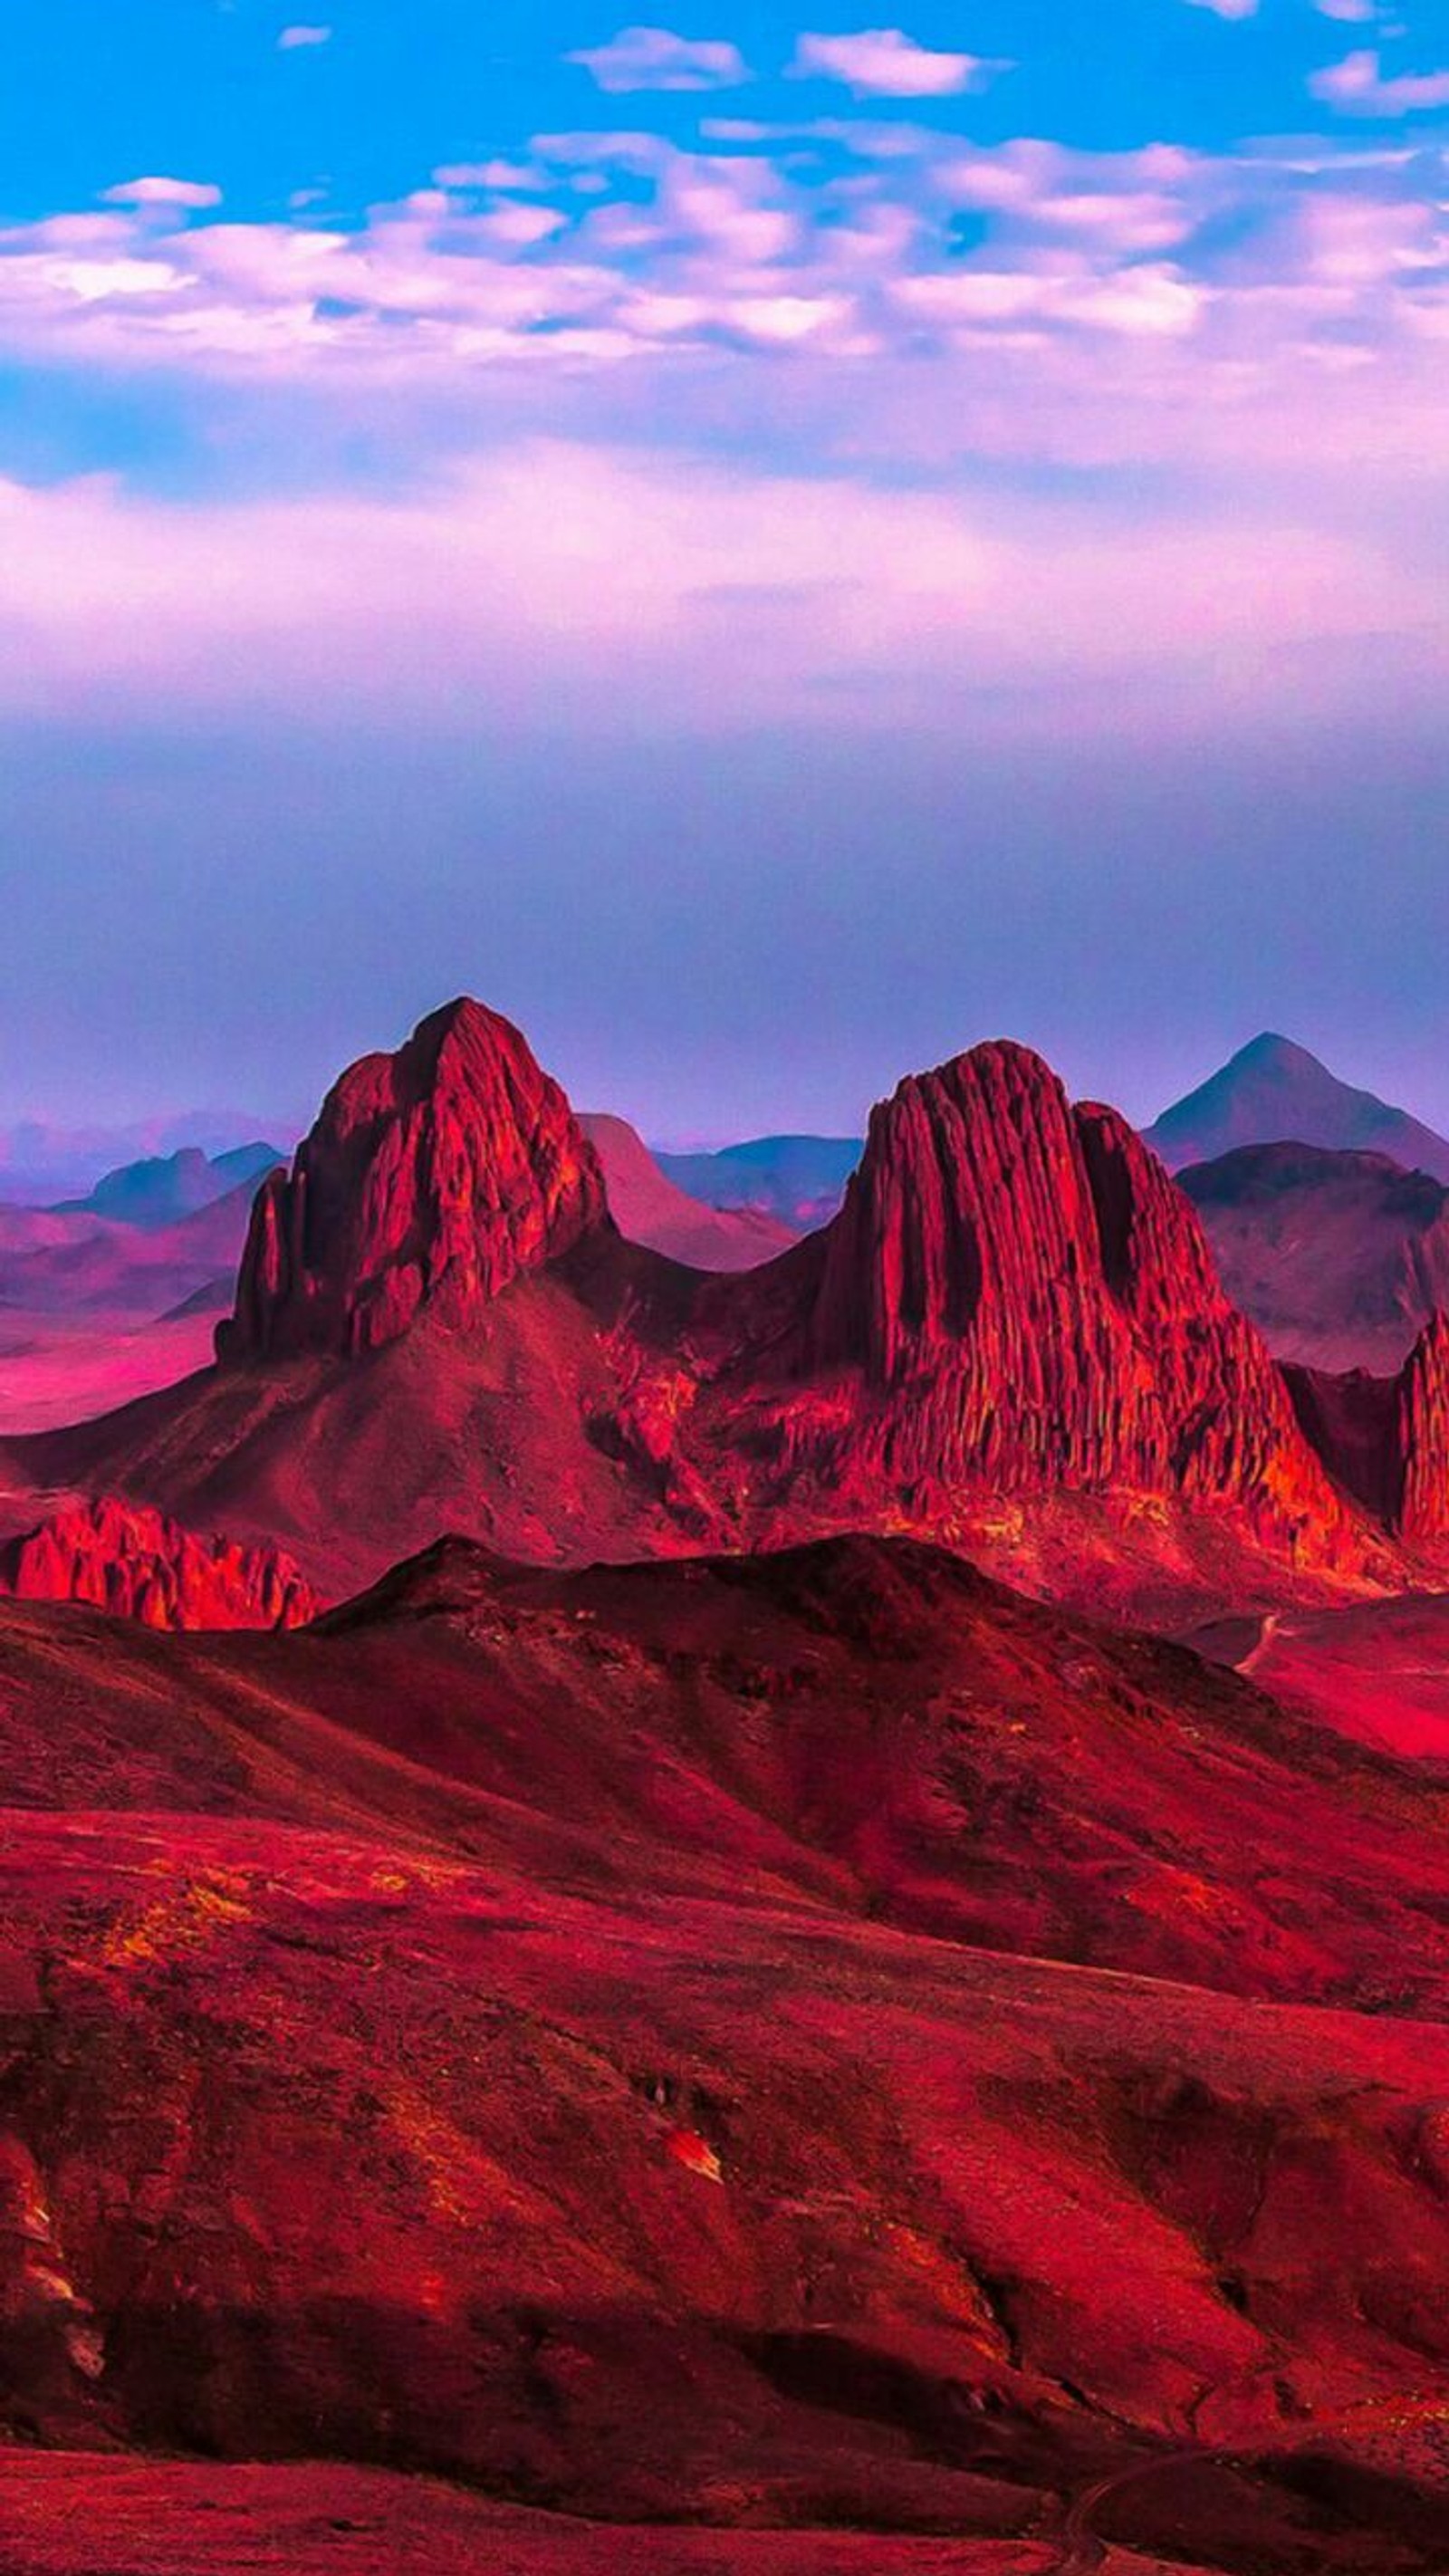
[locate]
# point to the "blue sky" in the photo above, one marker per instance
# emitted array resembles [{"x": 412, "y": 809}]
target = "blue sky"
[{"x": 770, "y": 544}]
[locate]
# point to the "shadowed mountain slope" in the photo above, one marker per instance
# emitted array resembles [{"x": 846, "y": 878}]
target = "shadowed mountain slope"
[{"x": 1339, "y": 1259}]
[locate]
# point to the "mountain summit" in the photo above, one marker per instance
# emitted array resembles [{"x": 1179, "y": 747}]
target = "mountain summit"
[
  {"x": 433, "y": 1177},
  {"x": 1030, "y": 1302},
  {"x": 1275, "y": 1093}
]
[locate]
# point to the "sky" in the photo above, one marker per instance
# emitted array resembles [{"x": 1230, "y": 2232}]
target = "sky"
[{"x": 767, "y": 544}]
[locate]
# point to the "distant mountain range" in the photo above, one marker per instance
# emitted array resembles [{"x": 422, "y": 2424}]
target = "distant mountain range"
[
  {"x": 799, "y": 1179},
  {"x": 1272, "y": 1093},
  {"x": 650, "y": 1208},
  {"x": 162, "y": 1190},
  {"x": 42, "y": 1162}
]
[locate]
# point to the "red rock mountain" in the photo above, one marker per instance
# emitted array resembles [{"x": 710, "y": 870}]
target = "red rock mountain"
[
  {"x": 137, "y": 1565},
  {"x": 432, "y": 1179},
  {"x": 1386, "y": 1439},
  {"x": 1025, "y": 1301},
  {"x": 1015, "y": 1305}
]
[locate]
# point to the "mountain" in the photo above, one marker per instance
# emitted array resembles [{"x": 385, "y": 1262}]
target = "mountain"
[
  {"x": 160, "y": 1191},
  {"x": 136, "y": 1565},
  {"x": 1340, "y": 1259},
  {"x": 68, "y": 1264},
  {"x": 1011, "y": 1337},
  {"x": 1273, "y": 1092},
  {"x": 41, "y": 1162},
  {"x": 804, "y": 2063},
  {"x": 433, "y": 1177},
  {"x": 799, "y": 1180},
  {"x": 651, "y": 1209}
]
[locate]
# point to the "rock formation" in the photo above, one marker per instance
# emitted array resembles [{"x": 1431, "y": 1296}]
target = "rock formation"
[
  {"x": 1032, "y": 1304},
  {"x": 137, "y": 1565},
  {"x": 432, "y": 1179}
]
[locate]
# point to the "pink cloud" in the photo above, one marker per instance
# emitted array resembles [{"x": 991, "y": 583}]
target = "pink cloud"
[
  {"x": 547, "y": 582},
  {"x": 884, "y": 63},
  {"x": 189, "y": 195},
  {"x": 1357, "y": 84},
  {"x": 643, "y": 58}
]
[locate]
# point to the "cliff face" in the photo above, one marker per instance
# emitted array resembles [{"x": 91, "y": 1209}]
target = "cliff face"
[
  {"x": 135, "y": 1564},
  {"x": 1031, "y": 1303},
  {"x": 1386, "y": 1439},
  {"x": 1423, "y": 1436},
  {"x": 432, "y": 1179}
]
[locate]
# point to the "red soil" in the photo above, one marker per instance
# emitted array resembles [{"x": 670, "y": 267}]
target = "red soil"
[{"x": 357, "y": 1988}]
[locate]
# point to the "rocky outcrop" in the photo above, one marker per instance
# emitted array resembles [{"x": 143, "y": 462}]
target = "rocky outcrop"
[
  {"x": 1033, "y": 1304},
  {"x": 135, "y": 1564},
  {"x": 1423, "y": 1437},
  {"x": 432, "y": 1179},
  {"x": 1385, "y": 1440}
]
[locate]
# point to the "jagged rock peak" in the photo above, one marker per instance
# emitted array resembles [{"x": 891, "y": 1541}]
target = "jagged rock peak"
[
  {"x": 1035, "y": 1302},
  {"x": 136, "y": 1564},
  {"x": 432, "y": 1178}
]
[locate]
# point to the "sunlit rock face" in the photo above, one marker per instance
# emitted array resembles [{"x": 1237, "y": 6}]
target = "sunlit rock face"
[
  {"x": 432, "y": 1179},
  {"x": 136, "y": 1564},
  {"x": 1034, "y": 1302}
]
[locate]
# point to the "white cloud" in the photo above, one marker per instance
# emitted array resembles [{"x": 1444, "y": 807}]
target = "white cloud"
[
  {"x": 1229, "y": 8},
  {"x": 1350, "y": 13},
  {"x": 1357, "y": 84},
  {"x": 884, "y": 63},
  {"x": 187, "y": 195},
  {"x": 654, "y": 58},
  {"x": 294, "y": 40}
]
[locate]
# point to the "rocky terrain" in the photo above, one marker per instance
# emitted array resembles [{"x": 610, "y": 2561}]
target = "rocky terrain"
[
  {"x": 682, "y": 2023},
  {"x": 777, "y": 2045},
  {"x": 137, "y": 1565},
  {"x": 1012, "y": 1337}
]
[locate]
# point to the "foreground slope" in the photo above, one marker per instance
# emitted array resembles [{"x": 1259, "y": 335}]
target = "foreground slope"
[{"x": 785, "y": 2042}]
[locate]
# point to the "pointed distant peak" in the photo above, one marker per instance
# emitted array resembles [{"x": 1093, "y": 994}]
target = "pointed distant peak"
[
  {"x": 1273, "y": 1092},
  {"x": 1269, "y": 1051}
]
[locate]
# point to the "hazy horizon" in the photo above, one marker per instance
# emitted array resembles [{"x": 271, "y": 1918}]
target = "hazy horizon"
[{"x": 166, "y": 1130}]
